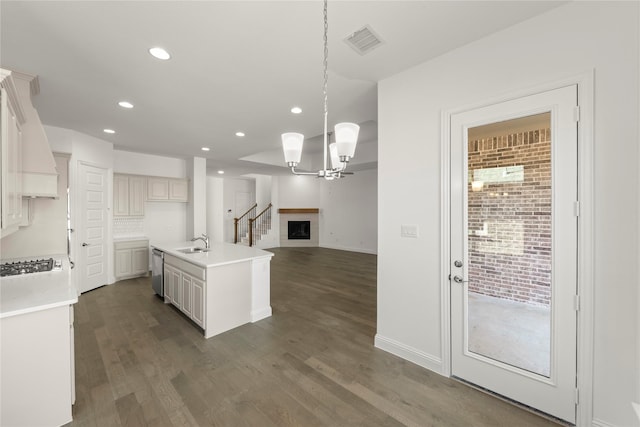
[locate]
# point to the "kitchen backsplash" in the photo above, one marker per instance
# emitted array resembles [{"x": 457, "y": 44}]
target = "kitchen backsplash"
[{"x": 128, "y": 227}]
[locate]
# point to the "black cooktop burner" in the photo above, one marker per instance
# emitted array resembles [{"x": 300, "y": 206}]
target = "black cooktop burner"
[{"x": 26, "y": 267}]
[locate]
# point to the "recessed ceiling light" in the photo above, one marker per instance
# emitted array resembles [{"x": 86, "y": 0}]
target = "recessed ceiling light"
[
  {"x": 240, "y": 134},
  {"x": 205, "y": 148},
  {"x": 125, "y": 104},
  {"x": 296, "y": 110},
  {"x": 159, "y": 53},
  {"x": 109, "y": 131},
  {"x": 221, "y": 172}
]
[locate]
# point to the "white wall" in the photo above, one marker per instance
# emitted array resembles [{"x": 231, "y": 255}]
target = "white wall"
[
  {"x": 348, "y": 207},
  {"x": 567, "y": 41},
  {"x": 349, "y": 215},
  {"x": 232, "y": 188},
  {"x": 215, "y": 209},
  {"x": 148, "y": 164}
]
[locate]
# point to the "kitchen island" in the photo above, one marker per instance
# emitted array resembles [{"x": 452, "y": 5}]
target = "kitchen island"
[
  {"x": 37, "y": 356},
  {"x": 218, "y": 288}
]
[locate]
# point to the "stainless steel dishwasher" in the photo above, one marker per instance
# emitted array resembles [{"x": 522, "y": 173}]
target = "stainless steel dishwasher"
[{"x": 157, "y": 272}]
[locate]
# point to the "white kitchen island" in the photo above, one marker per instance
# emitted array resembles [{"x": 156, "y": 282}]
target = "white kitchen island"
[{"x": 218, "y": 289}]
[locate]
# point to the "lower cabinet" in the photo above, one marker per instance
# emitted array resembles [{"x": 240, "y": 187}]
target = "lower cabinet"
[
  {"x": 184, "y": 287},
  {"x": 131, "y": 259}
]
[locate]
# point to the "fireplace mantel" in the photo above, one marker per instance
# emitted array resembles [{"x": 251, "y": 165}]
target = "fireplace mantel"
[{"x": 299, "y": 211}]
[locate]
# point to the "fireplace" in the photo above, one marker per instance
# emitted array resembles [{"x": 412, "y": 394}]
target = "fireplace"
[
  {"x": 299, "y": 230},
  {"x": 299, "y": 227}
]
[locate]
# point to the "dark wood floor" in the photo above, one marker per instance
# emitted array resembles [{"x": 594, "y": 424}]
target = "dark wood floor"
[{"x": 313, "y": 363}]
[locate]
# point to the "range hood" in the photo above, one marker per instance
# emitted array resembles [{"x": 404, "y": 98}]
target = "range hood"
[{"x": 39, "y": 174}]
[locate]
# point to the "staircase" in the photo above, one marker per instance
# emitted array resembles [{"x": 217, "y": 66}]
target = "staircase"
[{"x": 250, "y": 228}]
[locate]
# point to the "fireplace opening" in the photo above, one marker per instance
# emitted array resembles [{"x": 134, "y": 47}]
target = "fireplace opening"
[{"x": 299, "y": 230}]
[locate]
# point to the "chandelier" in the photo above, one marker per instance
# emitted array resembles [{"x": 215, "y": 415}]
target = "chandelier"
[{"x": 346, "y": 135}]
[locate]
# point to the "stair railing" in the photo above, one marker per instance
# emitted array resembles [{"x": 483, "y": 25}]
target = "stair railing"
[
  {"x": 260, "y": 225},
  {"x": 241, "y": 225}
]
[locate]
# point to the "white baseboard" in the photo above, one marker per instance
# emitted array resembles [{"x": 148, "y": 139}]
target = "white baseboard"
[
  {"x": 344, "y": 248},
  {"x": 260, "y": 314},
  {"x": 409, "y": 353},
  {"x": 599, "y": 423}
]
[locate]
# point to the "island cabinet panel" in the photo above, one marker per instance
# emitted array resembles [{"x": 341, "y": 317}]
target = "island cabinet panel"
[
  {"x": 197, "y": 289},
  {"x": 187, "y": 303},
  {"x": 228, "y": 297}
]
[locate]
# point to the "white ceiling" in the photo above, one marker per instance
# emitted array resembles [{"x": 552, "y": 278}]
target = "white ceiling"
[{"x": 236, "y": 66}]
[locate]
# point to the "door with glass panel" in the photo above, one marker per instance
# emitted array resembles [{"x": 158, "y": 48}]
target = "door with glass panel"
[{"x": 514, "y": 249}]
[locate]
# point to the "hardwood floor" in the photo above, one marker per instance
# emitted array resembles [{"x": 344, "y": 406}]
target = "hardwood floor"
[{"x": 140, "y": 362}]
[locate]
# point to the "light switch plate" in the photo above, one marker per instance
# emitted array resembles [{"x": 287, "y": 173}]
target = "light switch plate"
[{"x": 409, "y": 230}]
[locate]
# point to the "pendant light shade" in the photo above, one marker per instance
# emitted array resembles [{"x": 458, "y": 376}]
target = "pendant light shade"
[
  {"x": 292, "y": 147},
  {"x": 335, "y": 159},
  {"x": 346, "y": 138}
]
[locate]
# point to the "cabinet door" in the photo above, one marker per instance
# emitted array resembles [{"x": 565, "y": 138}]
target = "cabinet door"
[
  {"x": 120, "y": 195},
  {"x": 140, "y": 260},
  {"x": 157, "y": 188},
  {"x": 123, "y": 262},
  {"x": 197, "y": 292},
  {"x": 186, "y": 294},
  {"x": 177, "y": 288},
  {"x": 178, "y": 190},
  {"x": 168, "y": 283},
  {"x": 136, "y": 195}
]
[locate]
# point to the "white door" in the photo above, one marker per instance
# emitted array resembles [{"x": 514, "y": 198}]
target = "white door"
[
  {"x": 93, "y": 227},
  {"x": 514, "y": 249}
]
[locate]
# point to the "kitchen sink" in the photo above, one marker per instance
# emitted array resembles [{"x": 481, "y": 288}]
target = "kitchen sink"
[{"x": 192, "y": 250}]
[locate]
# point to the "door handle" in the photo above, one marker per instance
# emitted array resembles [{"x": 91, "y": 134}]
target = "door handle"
[
  {"x": 459, "y": 279},
  {"x": 85, "y": 244}
]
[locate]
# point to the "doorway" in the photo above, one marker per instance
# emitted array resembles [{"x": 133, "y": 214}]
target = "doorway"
[
  {"x": 93, "y": 227},
  {"x": 513, "y": 249}
]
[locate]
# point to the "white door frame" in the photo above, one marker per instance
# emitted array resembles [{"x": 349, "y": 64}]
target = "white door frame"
[
  {"x": 76, "y": 241},
  {"x": 585, "y": 82}
]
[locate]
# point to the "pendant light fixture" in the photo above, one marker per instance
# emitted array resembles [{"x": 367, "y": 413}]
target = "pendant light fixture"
[{"x": 346, "y": 134}]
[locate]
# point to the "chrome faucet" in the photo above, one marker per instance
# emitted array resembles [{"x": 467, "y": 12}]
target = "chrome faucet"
[{"x": 204, "y": 238}]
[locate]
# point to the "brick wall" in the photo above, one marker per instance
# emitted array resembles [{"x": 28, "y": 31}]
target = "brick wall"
[{"x": 510, "y": 217}]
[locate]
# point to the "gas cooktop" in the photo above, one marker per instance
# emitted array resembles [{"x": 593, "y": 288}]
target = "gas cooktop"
[{"x": 30, "y": 266}]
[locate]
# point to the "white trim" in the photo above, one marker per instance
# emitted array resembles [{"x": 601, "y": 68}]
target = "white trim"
[
  {"x": 349, "y": 249},
  {"x": 586, "y": 290},
  {"x": 409, "y": 353},
  {"x": 445, "y": 241},
  {"x": 260, "y": 314},
  {"x": 600, "y": 423}
]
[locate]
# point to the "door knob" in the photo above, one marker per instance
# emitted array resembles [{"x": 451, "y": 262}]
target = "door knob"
[
  {"x": 85, "y": 244},
  {"x": 459, "y": 279}
]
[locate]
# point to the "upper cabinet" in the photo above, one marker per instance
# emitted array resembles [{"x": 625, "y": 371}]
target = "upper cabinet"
[
  {"x": 167, "y": 189},
  {"x": 12, "y": 119},
  {"x": 128, "y": 195}
]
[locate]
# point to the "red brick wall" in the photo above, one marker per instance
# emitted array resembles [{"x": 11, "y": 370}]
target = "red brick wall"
[{"x": 513, "y": 259}]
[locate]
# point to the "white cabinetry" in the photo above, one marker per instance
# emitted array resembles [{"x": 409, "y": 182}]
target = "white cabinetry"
[
  {"x": 12, "y": 118},
  {"x": 36, "y": 361},
  {"x": 184, "y": 287},
  {"x": 131, "y": 258},
  {"x": 128, "y": 195},
  {"x": 167, "y": 189}
]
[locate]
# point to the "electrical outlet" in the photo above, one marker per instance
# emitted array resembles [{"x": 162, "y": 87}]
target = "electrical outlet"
[{"x": 409, "y": 230}]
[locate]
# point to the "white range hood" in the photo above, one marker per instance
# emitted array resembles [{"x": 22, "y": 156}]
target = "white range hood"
[{"x": 39, "y": 174}]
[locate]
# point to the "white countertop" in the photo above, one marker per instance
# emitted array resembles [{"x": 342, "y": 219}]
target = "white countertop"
[
  {"x": 218, "y": 254},
  {"x": 37, "y": 291}
]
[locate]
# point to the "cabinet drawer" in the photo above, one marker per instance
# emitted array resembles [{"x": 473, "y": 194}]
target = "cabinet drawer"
[
  {"x": 191, "y": 269},
  {"x": 131, "y": 244}
]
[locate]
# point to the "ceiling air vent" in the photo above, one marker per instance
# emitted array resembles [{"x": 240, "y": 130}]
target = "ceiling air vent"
[{"x": 364, "y": 40}]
